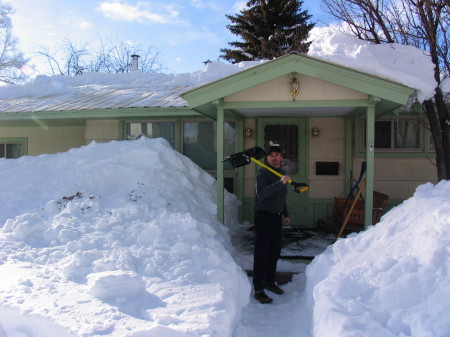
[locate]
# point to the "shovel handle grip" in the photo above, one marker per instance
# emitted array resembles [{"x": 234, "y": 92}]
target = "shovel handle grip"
[
  {"x": 295, "y": 186},
  {"x": 299, "y": 187}
]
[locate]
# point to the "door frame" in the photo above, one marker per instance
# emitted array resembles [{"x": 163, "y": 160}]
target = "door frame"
[{"x": 303, "y": 167}]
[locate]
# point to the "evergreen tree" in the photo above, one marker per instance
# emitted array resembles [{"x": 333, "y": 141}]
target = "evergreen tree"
[{"x": 269, "y": 29}]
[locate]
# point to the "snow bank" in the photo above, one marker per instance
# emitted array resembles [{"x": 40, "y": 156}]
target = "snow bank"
[
  {"x": 393, "y": 279},
  {"x": 404, "y": 64},
  {"x": 118, "y": 239}
]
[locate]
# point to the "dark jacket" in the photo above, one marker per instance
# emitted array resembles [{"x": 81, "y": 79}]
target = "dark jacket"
[{"x": 270, "y": 192}]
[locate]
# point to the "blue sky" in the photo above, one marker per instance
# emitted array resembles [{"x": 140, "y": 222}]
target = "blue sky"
[{"x": 185, "y": 32}]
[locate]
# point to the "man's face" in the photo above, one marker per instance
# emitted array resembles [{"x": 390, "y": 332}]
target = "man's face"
[{"x": 274, "y": 159}]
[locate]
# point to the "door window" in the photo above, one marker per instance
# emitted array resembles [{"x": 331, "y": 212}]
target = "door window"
[{"x": 287, "y": 137}]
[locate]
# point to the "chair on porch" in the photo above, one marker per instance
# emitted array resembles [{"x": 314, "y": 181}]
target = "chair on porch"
[{"x": 356, "y": 220}]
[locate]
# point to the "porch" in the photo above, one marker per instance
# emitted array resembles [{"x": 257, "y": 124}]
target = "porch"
[{"x": 314, "y": 122}]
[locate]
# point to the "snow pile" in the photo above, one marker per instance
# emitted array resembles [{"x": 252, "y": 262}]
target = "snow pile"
[
  {"x": 121, "y": 239},
  {"x": 404, "y": 64},
  {"x": 392, "y": 280},
  {"x": 117, "y": 239}
]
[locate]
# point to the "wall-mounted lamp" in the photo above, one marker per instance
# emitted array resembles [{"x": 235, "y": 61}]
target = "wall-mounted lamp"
[
  {"x": 315, "y": 132},
  {"x": 294, "y": 88},
  {"x": 248, "y": 133}
]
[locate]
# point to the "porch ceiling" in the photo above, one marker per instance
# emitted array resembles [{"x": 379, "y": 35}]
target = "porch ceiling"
[
  {"x": 299, "y": 109},
  {"x": 295, "y": 112}
]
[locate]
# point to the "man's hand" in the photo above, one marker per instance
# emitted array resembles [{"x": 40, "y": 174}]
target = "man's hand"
[
  {"x": 287, "y": 221},
  {"x": 285, "y": 179}
]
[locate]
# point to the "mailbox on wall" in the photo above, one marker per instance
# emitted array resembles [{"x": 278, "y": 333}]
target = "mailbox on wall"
[{"x": 327, "y": 168}]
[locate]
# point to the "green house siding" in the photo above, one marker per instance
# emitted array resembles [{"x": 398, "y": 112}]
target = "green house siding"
[{"x": 366, "y": 98}]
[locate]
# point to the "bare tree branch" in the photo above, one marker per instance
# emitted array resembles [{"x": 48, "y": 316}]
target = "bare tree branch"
[
  {"x": 420, "y": 23},
  {"x": 11, "y": 60},
  {"x": 111, "y": 57}
]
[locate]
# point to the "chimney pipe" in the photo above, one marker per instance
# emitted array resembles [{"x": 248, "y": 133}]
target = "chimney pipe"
[{"x": 134, "y": 62}]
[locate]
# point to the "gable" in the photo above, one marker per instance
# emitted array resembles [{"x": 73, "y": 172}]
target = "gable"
[
  {"x": 321, "y": 82},
  {"x": 310, "y": 89}
]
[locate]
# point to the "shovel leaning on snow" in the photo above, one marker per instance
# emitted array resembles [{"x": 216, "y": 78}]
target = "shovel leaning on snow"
[{"x": 252, "y": 155}]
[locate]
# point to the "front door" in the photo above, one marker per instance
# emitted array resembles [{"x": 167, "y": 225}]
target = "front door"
[{"x": 290, "y": 134}]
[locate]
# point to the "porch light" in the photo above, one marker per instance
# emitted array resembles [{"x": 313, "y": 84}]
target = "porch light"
[
  {"x": 315, "y": 132},
  {"x": 248, "y": 133},
  {"x": 294, "y": 88}
]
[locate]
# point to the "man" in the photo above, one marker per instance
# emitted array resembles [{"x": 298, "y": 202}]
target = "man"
[{"x": 270, "y": 213}]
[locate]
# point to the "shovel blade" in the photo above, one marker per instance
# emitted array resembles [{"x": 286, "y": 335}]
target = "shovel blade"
[
  {"x": 243, "y": 158},
  {"x": 238, "y": 159},
  {"x": 256, "y": 152}
]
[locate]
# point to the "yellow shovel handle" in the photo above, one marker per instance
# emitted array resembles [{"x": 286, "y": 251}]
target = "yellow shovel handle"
[{"x": 278, "y": 174}]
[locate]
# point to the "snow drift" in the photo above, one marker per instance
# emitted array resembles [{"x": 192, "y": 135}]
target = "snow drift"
[
  {"x": 121, "y": 239},
  {"x": 118, "y": 239},
  {"x": 393, "y": 279}
]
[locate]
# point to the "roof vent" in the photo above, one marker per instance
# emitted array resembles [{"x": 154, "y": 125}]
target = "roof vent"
[{"x": 134, "y": 62}]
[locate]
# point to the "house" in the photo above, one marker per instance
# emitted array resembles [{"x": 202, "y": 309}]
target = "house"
[{"x": 328, "y": 118}]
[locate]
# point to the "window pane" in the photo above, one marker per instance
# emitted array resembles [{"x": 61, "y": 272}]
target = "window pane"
[
  {"x": 431, "y": 146},
  {"x": 397, "y": 135},
  {"x": 406, "y": 135},
  {"x": 199, "y": 143},
  {"x": 134, "y": 131},
  {"x": 152, "y": 130},
  {"x": 383, "y": 134},
  {"x": 2, "y": 150},
  {"x": 285, "y": 136},
  {"x": 229, "y": 184},
  {"x": 13, "y": 150}
]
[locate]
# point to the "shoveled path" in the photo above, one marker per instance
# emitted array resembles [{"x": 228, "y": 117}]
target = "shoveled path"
[{"x": 286, "y": 316}]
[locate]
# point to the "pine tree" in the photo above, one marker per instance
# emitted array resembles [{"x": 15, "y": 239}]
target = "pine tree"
[{"x": 269, "y": 29}]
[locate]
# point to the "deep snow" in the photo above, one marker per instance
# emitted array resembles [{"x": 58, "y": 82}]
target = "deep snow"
[{"x": 120, "y": 239}]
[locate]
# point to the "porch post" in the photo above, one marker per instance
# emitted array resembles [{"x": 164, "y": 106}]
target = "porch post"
[
  {"x": 348, "y": 154},
  {"x": 220, "y": 156},
  {"x": 370, "y": 160}
]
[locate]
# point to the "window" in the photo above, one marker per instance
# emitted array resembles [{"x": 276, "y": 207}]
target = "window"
[
  {"x": 397, "y": 135},
  {"x": 431, "y": 146},
  {"x": 151, "y": 129},
  {"x": 199, "y": 143},
  {"x": 12, "y": 148}
]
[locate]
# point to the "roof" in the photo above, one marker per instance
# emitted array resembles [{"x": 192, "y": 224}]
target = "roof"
[
  {"x": 86, "y": 98},
  {"x": 94, "y": 91},
  {"x": 111, "y": 93}
]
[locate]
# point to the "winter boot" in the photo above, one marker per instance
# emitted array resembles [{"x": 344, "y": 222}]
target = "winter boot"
[
  {"x": 275, "y": 289},
  {"x": 262, "y": 297}
]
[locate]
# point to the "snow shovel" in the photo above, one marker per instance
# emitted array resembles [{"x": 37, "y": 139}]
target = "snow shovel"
[{"x": 252, "y": 155}]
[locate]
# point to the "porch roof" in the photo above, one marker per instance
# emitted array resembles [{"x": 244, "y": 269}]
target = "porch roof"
[{"x": 389, "y": 94}]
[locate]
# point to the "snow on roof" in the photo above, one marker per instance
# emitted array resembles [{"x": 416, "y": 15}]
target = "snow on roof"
[
  {"x": 408, "y": 65},
  {"x": 404, "y": 64},
  {"x": 109, "y": 91}
]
